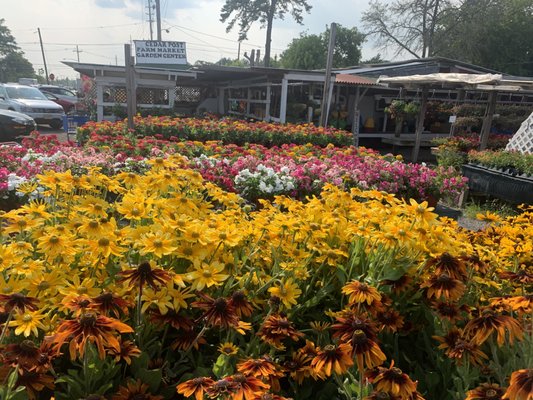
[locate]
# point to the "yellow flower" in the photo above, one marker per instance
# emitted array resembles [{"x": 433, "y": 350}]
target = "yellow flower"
[
  {"x": 287, "y": 292},
  {"x": 158, "y": 298},
  {"x": 207, "y": 275},
  {"x": 158, "y": 244},
  {"x": 27, "y": 323},
  {"x": 228, "y": 349}
]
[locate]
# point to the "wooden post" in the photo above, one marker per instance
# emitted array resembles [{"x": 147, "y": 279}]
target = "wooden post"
[
  {"x": 130, "y": 86},
  {"x": 356, "y": 117},
  {"x": 487, "y": 120},
  {"x": 327, "y": 76},
  {"x": 283, "y": 104},
  {"x": 99, "y": 101},
  {"x": 420, "y": 125},
  {"x": 267, "y": 105},
  {"x": 328, "y": 104}
]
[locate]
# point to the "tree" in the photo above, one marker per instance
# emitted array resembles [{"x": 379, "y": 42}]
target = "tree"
[
  {"x": 310, "y": 51},
  {"x": 13, "y": 64},
  {"x": 7, "y": 41},
  {"x": 374, "y": 60},
  {"x": 492, "y": 33},
  {"x": 246, "y": 12},
  {"x": 407, "y": 25}
]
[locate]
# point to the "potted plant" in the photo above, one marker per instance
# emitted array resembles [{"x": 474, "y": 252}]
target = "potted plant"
[{"x": 400, "y": 110}]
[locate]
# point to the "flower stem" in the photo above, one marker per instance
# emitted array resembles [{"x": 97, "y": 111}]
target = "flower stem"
[{"x": 4, "y": 330}]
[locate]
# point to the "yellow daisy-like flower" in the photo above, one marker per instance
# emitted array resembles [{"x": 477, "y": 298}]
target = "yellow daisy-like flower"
[
  {"x": 228, "y": 349},
  {"x": 159, "y": 298},
  {"x": 207, "y": 275},
  {"x": 288, "y": 292},
  {"x": 158, "y": 244},
  {"x": 27, "y": 323}
]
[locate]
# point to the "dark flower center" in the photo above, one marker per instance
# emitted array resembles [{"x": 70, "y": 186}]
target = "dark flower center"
[
  {"x": 491, "y": 394},
  {"x": 220, "y": 304},
  {"x": 330, "y": 350},
  {"x": 27, "y": 346},
  {"x": 359, "y": 337},
  {"x": 144, "y": 269},
  {"x": 88, "y": 320},
  {"x": 239, "y": 378}
]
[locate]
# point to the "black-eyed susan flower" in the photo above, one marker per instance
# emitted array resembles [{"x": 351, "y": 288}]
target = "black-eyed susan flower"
[
  {"x": 228, "y": 349},
  {"x": 459, "y": 347},
  {"x": 521, "y": 386},
  {"x": 89, "y": 327},
  {"x": 218, "y": 312},
  {"x": 207, "y": 275},
  {"x": 18, "y": 301},
  {"x": 247, "y": 387},
  {"x": 360, "y": 292},
  {"x": 242, "y": 306},
  {"x": 349, "y": 322},
  {"x": 485, "y": 391},
  {"x": 135, "y": 390},
  {"x": 443, "y": 287},
  {"x": 145, "y": 273},
  {"x": 366, "y": 351},
  {"x": 489, "y": 322},
  {"x": 450, "y": 265},
  {"x": 263, "y": 368},
  {"x": 276, "y": 328},
  {"x": 333, "y": 358},
  {"x": 35, "y": 382},
  {"x": 394, "y": 382},
  {"x": 196, "y": 387}
]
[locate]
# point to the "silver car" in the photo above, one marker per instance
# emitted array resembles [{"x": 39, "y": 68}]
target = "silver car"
[{"x": 30, "y": 101}]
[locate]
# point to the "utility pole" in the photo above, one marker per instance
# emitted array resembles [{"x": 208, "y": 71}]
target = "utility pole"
[
  {"x": 239, "y": 51},
  {"x": 78, "y": 51},
  {"x": 131, "y": 95},
  {"x": 44, "y": 58},
  {"x": 158, "y": 18},
  {"x": 327, "y": 78},
  {"x": 150, "y": 20}
]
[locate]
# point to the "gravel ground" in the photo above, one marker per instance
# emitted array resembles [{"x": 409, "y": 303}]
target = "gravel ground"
[{"x": 464, "y": 221}]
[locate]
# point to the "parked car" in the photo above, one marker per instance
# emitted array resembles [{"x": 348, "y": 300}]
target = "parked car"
[
  {"x": 66, "y": 98},
  {"x": 31, "y": 101},
  {"x": 14, "y": 124},
  {"x": 66, "y": 104}
]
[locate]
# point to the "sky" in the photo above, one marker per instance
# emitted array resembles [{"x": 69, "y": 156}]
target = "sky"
[{"x": 98, "y": 29}]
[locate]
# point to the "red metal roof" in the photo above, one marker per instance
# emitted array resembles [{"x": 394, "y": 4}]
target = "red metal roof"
[{"x": 347, "y": 79}]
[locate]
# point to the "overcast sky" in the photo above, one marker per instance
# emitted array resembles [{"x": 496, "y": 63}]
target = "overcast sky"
[{"x": 101, "y": 27}]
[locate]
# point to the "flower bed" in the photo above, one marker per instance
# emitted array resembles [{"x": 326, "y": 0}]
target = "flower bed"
[
  {"x": 161, "y": 284},
  {"x": 229, "y": 131},
  {"x": 512, "y": 162},
  {"x": 253, "y": 171}
]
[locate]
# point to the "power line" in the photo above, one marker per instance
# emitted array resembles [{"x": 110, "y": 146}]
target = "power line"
[{"x": 79, "y": 27}]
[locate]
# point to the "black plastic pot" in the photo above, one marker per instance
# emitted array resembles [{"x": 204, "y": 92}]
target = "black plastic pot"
[{"x": 511, "y": 188}]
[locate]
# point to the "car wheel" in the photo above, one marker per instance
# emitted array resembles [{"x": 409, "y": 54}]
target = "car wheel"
[{"x": 56, "y": 124}]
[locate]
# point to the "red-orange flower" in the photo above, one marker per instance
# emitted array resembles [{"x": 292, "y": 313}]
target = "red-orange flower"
[
  {"x": 394, "y": 382},
  {"x": 333, "y": 358},
  {"x": 241, "y": 304},
  {"x": 135, "y": 390},
  {"x": 485, "y": 391},
  {"x": 263, "y": 368},
  {"x": 521, "y": 386},
  {"x": 109, "y": 303},
  {"x": 89, "y": 327},
  {"x": 443, "y": 286},
  {"x": 456, "y": 346},
  {"x": 276, "y": 328},
  {"x": 18, "y": 301},
  {"x": 360, "y": 292},
  {"x": 218, "y": 312},
  {"x": 144, "y": 273},
  {"x": 449, "y": 265},
  {"x": 35, "y": 382},
  {"x": 195, "y": 386},
  {"x": 489, "y": 322},
  {"x": 248, "y": 387},
  {"x": 349, "y": 322}
]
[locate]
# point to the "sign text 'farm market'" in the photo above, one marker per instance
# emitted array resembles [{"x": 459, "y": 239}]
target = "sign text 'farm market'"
[{"x": 156, "y": 52}]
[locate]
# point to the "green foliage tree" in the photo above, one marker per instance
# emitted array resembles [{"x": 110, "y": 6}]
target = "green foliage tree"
[
  {"x": 492, "y": 33},
  {"x": 246, "y": 12},
  {"x": 7, "y": 41},
  {"x": 310, "y": 51},
  {"x": 13, "y": 64}
]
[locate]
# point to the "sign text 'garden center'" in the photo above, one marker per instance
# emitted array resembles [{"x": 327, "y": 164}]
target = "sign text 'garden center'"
[{"x": 159, "y": 52}]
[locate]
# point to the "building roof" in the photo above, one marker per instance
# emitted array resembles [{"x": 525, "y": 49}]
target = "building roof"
[{"x": 356, "y": 80}]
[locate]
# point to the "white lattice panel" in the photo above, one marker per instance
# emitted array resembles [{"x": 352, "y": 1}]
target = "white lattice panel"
[{"x": 522, "y": 140}]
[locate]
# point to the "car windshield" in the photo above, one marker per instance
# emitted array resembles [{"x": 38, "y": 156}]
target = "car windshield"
[{"x": 21, "y": 92}]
